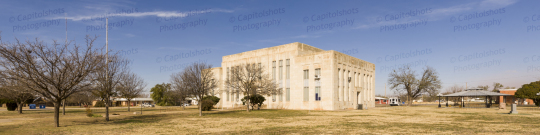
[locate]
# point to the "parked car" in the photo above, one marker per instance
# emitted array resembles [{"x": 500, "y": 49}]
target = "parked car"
[{"x": 147, "y": 105}]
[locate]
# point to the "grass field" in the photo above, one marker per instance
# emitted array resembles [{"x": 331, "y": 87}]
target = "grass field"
[{"x": 381, "y": 120}]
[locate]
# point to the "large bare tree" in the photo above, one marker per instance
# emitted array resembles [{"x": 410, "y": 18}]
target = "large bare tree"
[
  {"x": 16, "y": 92},
  {"x": 130, "y": 86},
  {"x": 250, "y": 79},
  {"x": 108, "y": 78},
  {"x": 404, "y": 79},
  {"x": 53, "y": 71},
  {"x": 198, "y": 80},
  {"x": 179, "y": 89}
]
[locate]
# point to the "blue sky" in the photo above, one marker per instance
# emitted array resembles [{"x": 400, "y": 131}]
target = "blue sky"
[{"x": 473, "y": 41}]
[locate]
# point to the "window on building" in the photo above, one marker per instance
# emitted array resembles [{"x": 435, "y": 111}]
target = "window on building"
[
  {"x": 227, "y": 95},
  {"x": 288, "y": 76},
  {"x": 318, "y": 85},
  {"x": 280, "y": 69},
  {"x": 306, "y": 85},
  {"x": 280, "y": 81},
  {"x": 237, "y": 96},
  {"x": 317, "y": 92},
  {"x": 274, "y": 70},
  {"x": 288, "y": 94},
  {"x": 288, "y": 69},
  {"x": 274, "y": 78},
  {"x": 339, "y": 83}
]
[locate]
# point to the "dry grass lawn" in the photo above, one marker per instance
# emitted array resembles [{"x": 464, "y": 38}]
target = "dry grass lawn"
[{"x": 381, "y": 120}]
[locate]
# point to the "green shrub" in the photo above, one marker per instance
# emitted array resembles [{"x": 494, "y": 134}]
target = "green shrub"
[
  {"x": 207, "y": 105},
  {"x": 254, "y": 100},
  {"x": 213, "y": 98},
  {"x": 100, "y": 104},
  {"x": 11, "y": 106},
  {"x": 89, "y": 112}
]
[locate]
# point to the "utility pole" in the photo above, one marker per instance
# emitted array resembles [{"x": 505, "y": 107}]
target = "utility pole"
[
  {"x": 107, "y": 65},
  {"x": 65, "y": 14}
]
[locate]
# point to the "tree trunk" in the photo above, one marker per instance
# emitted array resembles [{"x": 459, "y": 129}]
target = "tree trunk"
[
  {"x": 247, "y": 106},
  {"x": 106, "y": 110},
  {"x": 64, "y": 107},
  {"x": 409, "y": 101},
  {"x": 19, "y": 105},
  {"x": 129, "y": 105},
  {"x": 57, "y": 114},
  {"x": 200, "y": 108}
]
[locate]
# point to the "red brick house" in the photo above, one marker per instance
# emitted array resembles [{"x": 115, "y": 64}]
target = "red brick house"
[{"x": 510, "y": 99}]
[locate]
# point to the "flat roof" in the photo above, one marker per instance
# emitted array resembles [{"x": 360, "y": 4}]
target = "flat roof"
[
  {"x": 507, "y": 89},
  {"x": 474, "y": 93}
]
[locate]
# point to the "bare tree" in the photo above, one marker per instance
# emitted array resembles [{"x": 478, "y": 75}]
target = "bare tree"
[
  {"x": 497, "y": 86},
  {"x": 179, "y": 88},
  {"x": 198, "y": 80},
  {"x": 404, "y": 79},
  {"x": 16, "y": 92},
  {"x": 53, "y": 71},
  {"x": 108, "y": 78},
  {"x": 130, "y": 87},
  {"x": 250, "y": 79},
  {"x": 486, "y": 87},
  {"x": 454, "y": 89}
]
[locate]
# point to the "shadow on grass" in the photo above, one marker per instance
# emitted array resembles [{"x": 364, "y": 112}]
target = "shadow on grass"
[{"x": 263, "y": 113}]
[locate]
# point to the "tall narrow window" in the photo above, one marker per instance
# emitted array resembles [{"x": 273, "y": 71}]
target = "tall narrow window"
[
  {"x": 288, "y": 69},
  {"x": 317, "y": 84},
  {"x": 288, "y": 94},
  {"x": 274, "y": 78},
  {"x": 237, "y": 91},
  {"x": 280, "y": 69},
  {"x": 280, "y": 81},
  {"x": 288, "y": 77},
  {"x": 339, "y": 79},
  {"x": 306, "y": 85},
  {"x": 274, "y": 70}
]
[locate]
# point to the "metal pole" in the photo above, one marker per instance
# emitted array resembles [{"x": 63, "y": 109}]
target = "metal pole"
[
  {"x": 65, "y": 14},
  {"x": 446, "y": 101},
  {"x": 439, "y": 101},
  {"x": 107, "y": 67}
]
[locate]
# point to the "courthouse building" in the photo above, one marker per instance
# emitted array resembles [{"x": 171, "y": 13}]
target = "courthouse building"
[{"x": 311, "y": 78}]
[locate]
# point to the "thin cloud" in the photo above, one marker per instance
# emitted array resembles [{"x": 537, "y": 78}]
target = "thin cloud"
[
  {"x": 442, "y": 13},
  {"x": 146, "y": 14}
]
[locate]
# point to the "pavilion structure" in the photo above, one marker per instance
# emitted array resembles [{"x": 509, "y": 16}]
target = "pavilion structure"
[{"x": 471, "y": 94}]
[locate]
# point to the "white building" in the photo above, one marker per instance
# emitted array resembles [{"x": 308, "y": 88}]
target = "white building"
[{"x": 311, "y": 78}]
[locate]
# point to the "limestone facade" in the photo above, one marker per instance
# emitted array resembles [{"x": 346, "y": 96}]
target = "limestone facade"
[{"x": 311, "y": 78}]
